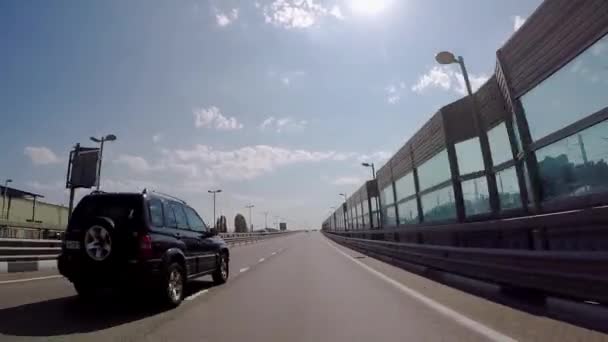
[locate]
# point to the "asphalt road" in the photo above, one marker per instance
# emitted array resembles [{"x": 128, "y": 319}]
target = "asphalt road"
[{"x": 295, "y": 288}]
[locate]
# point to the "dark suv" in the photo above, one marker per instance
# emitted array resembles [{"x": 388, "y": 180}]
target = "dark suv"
[{"x": 142, "y": 241}]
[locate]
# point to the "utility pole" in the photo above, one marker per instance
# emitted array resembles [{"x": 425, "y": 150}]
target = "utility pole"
[
  {"x": 214, "y": 192},
  {"x": 265, "y": 219},
  {"x": 250, "y": 220},
  {"x": 4, "y": 197}
]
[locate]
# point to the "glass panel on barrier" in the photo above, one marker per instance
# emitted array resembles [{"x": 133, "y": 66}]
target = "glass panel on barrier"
[
  {"x": 389, "y": 216},
  {"x": 405, "y": 186},
  {"x": 508, "y": 188},
  {"x": 387, "y": 195},
  {"x": 439, "y": 205},
  {"x": 434, "y": 170},
  {"x": 576, "y": 165},
  {"x": 475, "y": 196},
  {"x": 408, "y": 212},
  {"x": 500, "y": 147},
  {"x": 469, "y": 156},
  {"x": 575, "y": 91}
]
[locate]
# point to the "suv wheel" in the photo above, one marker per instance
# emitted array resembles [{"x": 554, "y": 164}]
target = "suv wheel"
[
  {"x": 220, "y": 276},
  {"x": 173, "y": 285},
  {"x": 98, "y": 242}
]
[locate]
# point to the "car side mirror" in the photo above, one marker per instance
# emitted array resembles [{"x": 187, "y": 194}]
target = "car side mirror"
[{"x": 213, "y": 232}]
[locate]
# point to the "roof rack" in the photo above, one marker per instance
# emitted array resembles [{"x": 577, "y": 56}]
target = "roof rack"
[{"x": 166, "y": 195}]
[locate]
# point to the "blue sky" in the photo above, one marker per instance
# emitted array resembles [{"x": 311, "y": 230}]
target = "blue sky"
[{"x": 276, "y": 102}]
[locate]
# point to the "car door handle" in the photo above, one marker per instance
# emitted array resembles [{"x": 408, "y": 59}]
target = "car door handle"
[{"x": 177, "y": 235}]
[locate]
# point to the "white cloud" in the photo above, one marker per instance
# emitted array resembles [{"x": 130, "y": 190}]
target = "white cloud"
[
  {"x": 347, "y": 181},
  {"x": 298, "y": 13},
  {"x": 41, "y": 155},
  {"x": 336, "y": 12},
  {"x": 376, "y": 157},
  {"x": 226, "y": 18},
  {"x": 443, "y": 77},
  {"x": 53, "y": 186},
  {"x": 157, "y": 137},
  {"x": 287, "y": 77},
  {"x": 247, "y": 162},
  {"x": 394, "y": 92},
  {"x": 201, "y": 165},
  {"x": 283, "y": 124},
  {"x": 139, "y": 164},
  {"x": 518, "y": 21},
  {"x": 267, "y": 122},
  {"x": 135, "y": 163},
  {"x": 213, "y": 117}
]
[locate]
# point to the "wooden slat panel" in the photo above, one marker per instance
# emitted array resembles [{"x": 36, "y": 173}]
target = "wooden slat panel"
[
  {"x": 402, "y": 161},
  {"x": 429, "y": 140},
  {"x": 492, "y": 106},
  {"x": 556, "y": 32},
  {"x": 458, "y": 120},
  {"x": 384, "y": 175}
]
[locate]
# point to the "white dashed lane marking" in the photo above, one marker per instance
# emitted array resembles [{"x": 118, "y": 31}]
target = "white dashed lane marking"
[
  {"x": 29, "y": 279},
  {"x": 244, "y": 269},
  {"x": 193, "y": 296},
  {"x": 261, "y": 260}
]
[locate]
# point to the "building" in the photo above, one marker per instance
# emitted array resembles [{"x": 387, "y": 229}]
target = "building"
[
  {"x": 532, "y": 140},
  {"x": 23, "y": 215}
]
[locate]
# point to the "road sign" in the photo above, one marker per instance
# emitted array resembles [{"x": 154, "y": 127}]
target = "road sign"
[{"x": 82, "y": 171}]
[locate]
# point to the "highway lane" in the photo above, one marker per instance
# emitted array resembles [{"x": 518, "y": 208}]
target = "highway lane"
[
  {"x": 296, "y": 288},
  {"x": 49, "y": 309},
  {"x": 311, "y": 293}
]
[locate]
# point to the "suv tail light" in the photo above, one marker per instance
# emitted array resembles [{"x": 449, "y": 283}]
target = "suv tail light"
[{"x": 145, "y": 246}]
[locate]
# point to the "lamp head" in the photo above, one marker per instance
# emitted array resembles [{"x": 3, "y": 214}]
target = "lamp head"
[{"x": 445, "y": 57}]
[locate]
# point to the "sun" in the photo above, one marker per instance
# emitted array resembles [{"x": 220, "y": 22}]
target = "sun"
[{"x": 368, "y": 7}]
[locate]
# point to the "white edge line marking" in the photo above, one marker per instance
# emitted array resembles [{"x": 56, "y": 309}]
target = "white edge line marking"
[
  {"x": 245, "y": 269},
  {"x": 442, "y": 309},
  {"x": 261, "y": 260},
  {"x": 29, "y": 279},
  {"x": 193, "y": 296}
]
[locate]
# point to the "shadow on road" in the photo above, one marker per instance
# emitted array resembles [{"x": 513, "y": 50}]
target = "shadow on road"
[{"x": 70, "y": 315}]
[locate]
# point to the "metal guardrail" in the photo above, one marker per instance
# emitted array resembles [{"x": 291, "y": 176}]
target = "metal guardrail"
[
  {"x": 570, "y": 274},
  {"x": 45, "y": 249},
  {"x": 28, "y": 232}
]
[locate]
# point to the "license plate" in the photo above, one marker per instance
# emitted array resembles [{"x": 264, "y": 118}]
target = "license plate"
[{"x": 72, "y": 244}]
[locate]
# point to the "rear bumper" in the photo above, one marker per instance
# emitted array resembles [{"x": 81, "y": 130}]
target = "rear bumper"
[{"x": 131, "y": 273}]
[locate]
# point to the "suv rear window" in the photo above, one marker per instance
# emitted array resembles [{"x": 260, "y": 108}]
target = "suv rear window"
[{"x": 119, "y": 208}]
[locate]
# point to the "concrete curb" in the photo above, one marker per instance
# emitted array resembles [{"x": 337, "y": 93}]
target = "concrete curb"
[{"x": 27, "y": 266}]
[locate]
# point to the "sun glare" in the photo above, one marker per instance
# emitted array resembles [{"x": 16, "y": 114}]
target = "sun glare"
[{"x": 368, "y": 7}]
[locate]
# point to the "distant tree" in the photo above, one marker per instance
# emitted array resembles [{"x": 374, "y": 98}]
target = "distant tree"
[
  {"x": 240, "y": 224},
  {"x": 221, "y": 225}
]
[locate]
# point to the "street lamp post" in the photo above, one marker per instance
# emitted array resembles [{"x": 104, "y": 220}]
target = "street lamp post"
[
  {"x": 377, "y": 197},
  {"x": 4, "y": 195},
  {"x": 446, "y": 57},
  {"x": 214, "y": 192},
  {"x": 109, "y": 137},
  {"x": 251, "y": 206},
  {"x": 373, "y": 168}
]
